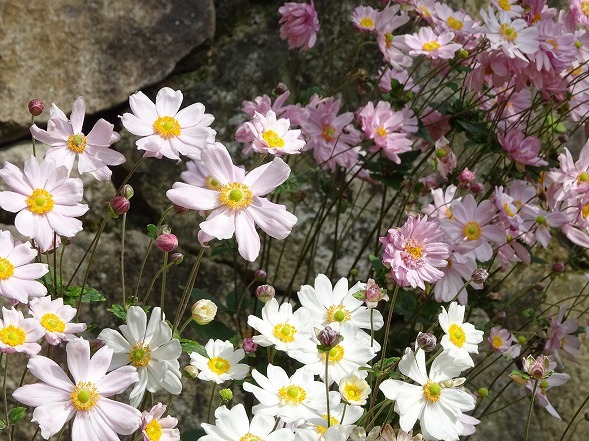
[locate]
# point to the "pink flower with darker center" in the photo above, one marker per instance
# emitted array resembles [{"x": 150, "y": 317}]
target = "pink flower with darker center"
[
  {"x": 414, "y": 252},
  {"x": 427, "y": 42},
  {"x": 46, "y": 200},
  {"x": 524, "y": 150},
  {"x": 236, "y": 206},
  {"x": 299, "y": 25}
]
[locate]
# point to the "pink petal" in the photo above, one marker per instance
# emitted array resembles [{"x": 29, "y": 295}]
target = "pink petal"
[
  {"x": 15, "y": 179},
  {"x": 40, "y": 393},
  {"x": 53, "y": 416},
  {"x": 13, "y": 202},
  {"x": 117, "y": 381},
  {"x": 49, "y": 372},
  {"x": 273, "y": 219},
  {"x": 220, "y": 224},
  {"x": 78, "y": 359},
  {"x": 168, "y": 102},
  {"x": 137, "y": 126},
  {"x": 77, "y": 116},
  {"x": 216, "y": 159},
  {"x": 247, "y": 237},
  {"x": 264, "y": 179},
  {"x": 192, "y": 197},
  {"x": 123, "y": 418}
]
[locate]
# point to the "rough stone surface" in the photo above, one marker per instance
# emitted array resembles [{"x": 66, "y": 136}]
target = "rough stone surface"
[{"x": 103, "y": 50}]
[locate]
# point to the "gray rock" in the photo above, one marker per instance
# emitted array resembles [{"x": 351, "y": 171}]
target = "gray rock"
[{"x": 101, "y": 49}]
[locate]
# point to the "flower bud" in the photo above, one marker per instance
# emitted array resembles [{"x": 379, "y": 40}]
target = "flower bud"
[
  {"x": 166, "y": 242},
  {"x": 483, "y": 392},
  {"x": 127, "y": 191},
  {"x": 280, "y": 88},
  {"x": 190, "y": 371},
  {"x": 260, "y": 275},
  {"x": 537, "y": 367},
  {"x": 36, "y": 107},
  {"x": 501, "y": 314},
  {"x": 204, "y": 311},
  {"x": 539, "y": 287},
  {"x": 328, "y": 338},
  {"x": 477, "y": 187},
  {"x": 465, "y": 177},
  {"x": 118, "y": 205},
  {"x": 226, "y": 394},
  {"x": 558, "y": 267},
  {"x": 249, "y": 345},
  {"x": 522, "y": 340},
  {"x": 426, "y": 341},
  {"x": 462, "y": 53},
  {"x": 163, "y": 229},
  {"x": 265, "y": 293},
  {"x": 354, "y": 272},
  {"x": 176, "y": 258},
  {"x": 479, "y": 276},
  {"x": 178, "y": 209}
]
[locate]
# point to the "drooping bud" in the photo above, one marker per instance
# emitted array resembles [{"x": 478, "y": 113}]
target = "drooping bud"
[
  {"x": 426, "y": 341},
  {"x": 204, "y": 311},
  {"x": 190, "y": 372},
  {"x": 166, "y": 242},
  {"x": 260, "y": 275},
  {"x": 372, "y": 294},
  {"x": 479, "y": 276},
  {"x": 328, "y": 338},
  {"x": 265, "y": 293},
  {"x": 36, "y": 107},
  {"x": 118, "y": 205},
  {"x": 249, "y": 345},
  {"x": 226, "y": 394},
  {"x": 127, "y": 191}
]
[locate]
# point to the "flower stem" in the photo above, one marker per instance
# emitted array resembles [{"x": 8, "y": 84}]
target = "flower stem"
[
  {"x": 531, "y": 409},
  {"x": 163, "y": 292},
  {"x": 214, "y": 388},
  {"x": 123, "y": 228},
  {"x": 188, "y": 289},
  {"x": 327, "y": 388}
]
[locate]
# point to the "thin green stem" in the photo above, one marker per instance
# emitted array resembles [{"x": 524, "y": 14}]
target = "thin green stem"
[
  {"x": 163, "y": 290},
  {"x": 213, "y": 389},
  {"x": 327, "y": 388},
  {"x": 122, "y": 260},
  {"x": 531, "y": 409},
  {"x": 188, "y": 290}
]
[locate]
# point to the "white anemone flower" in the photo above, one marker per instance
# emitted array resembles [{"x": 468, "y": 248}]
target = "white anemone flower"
[
  {"x": 341, "y": 424},
  {"x": 150, "y": 348},
  {"x": 459, "y": 338},
  {"x": 55, "y": 317},
  {"x": 436, "y": 400},
  {"x": 222, "y": 363}
]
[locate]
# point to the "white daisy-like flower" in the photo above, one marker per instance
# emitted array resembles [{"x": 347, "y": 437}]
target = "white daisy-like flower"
[
  {"x": 292, "y": 399},
  {"x": 351, "y": 353},
  {"x": 233, "y": 424},
  {"x": 18, "y": 276},
  {"x": 273, "y": 135},
  {"x": 437, "y": 400},
  {"x": 459, "y": 338},
  {"x": 222, "y": 363},
  {"x": 327, "y": 304},
  {"x": 165, "y": 129},
  {"x": 281, "y": 327},
  {"x": 354, "y": 389},
  {"x": 514, "y": 37},
  {"x": 19, "y": 334},
  {"x": 156, "y": 428},
  {"x": 55, "y": 317},
  {"x": 150, "y": 348},
  {"x": 341, "y": 424}
]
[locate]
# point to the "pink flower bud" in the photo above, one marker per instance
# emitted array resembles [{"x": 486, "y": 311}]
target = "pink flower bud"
[
  {"x": 260, "y": 275},
  {"x": 166, "y": 242},
  {"x": 426, "y": 341},
  {"x": 249, "y": 345},
  {"x": 479, "y": 276},
  {"x": 537, "y": 368},
  {"x": 119, "y": 205},
  {"x": 558, "y": 267},
  {"x": 265, "y": 293},
  {"x": 476, "y": 187},
  {"x": 176, "y": 258},
  {"x": 36, "y": 107},
  {"x": 328, "y": 337},
  {"x": 466, "y": 177}
]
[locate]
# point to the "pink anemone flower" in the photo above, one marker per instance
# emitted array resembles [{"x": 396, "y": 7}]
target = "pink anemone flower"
[{"x": 237, "y": 205}]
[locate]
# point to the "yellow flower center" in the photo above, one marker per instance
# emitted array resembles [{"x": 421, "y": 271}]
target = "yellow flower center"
[
  {"x": 328, "y": 133},
  {"x": 6, "y": 269},
  {"x": 352, "y": 392},
  {"x": 553, "y": 42},
  {"x": 235, "y": 195},
  {"x": 381, "y": 131},
  {"x": 388, "y": 40},
  {"x": 338, "y": 313},
  {"x": 77, "y": 143},
  {"x": 211, "y": 183},
  {"x": 167, "y": 127},
  {"x": 367, "y": 23},
  {"x": 285, "y": 332},
  {"x": 414, "y": 249},
  {"x": 497, "y": 342},
  {"x": 585, "y": 210},
  {"x": 12, "y": 336},
  {"x": 273, "y": 139},
  {"x": 508, "y": 32},
  {"x": 40, "y": 202},
  {"x": 52, "y": 323},
  {"x": 454, "y": 23},
  {"x": 432, "y": 391},
  {"x": 292, "y": 395},
  {"x": 219, "y": 365},
  {"x": 505, "y": 5},
  {"x": 585, "y": 7},
  {"x": 84, "y": 396},
  {"x": 424, "y": 11},
  {"x": 335, "y": 354},
  {"x": 472, "y": 230},
  {"x": 583, "y": 177},
  {"x": 140, "y": 355},
  {"x": 508, "y": 210},
  {"x": 332, "y": 422},
  {"x": 456, "y": 335},
  {"x": 431, "y": 46},
  {"x": 153, "y": 430},
  {"x": 250, "y": 437}
]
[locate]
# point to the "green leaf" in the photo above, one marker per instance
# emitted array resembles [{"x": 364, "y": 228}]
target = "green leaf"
[
  {"x": 215, "y": 329},
  {"x": 118, "y": 311},
  {"x": 16, "y": 414},
  {"x": 2, "y": 424},
  {"x": 89, "y": 295},
  {"x": 190, "y": 346},
  {"x": 152, "y": 231}
]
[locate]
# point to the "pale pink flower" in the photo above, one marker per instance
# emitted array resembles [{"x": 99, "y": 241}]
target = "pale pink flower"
[
  {"x": 364, "y": 18},
  {"x": 414, "y": 252},
  {"x": 57, "y": 399},
  {"x": 451, "y": 286},
  {"x": 554, "y": 380},
  {"x": 67, "y": 142},
  {"x": 524, "y": 150},
  {"x": 557, "y": 49},
  {"x": 273, "y": 135},
  {"x": 580, "y": 11},
  {"x": 18, "y": 276},
  {"x": 238, "y": 206},
  {"x": 561, "y": 338},
  {"x": 401, "y": 76},
  {"x": 440, "y": 209},
  {"x": 492, "y": 69},
  {"x": 154, "y": 427},
  {"x": 166, "y": 130},
  {"x": 501, "y": 340},
  {"x": 445, "y": 158},
  {"x": 19, "y": 334},
  {"x": 510, "y": 8},
  {"x": 427, "y": 42},
  {"x": 46, "y": 200},
  {"x": 542, "y": 219},
  {"x": 508, "y": 210},
  {"x": 515, "y": 38},
  {"x": 447, "y": 19},
  {"x": 299, "y": 25},
  {"x": 573, "y": 177},
  {"x": 392, "y": 46},
  {"x": 55, "y": 318}
]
